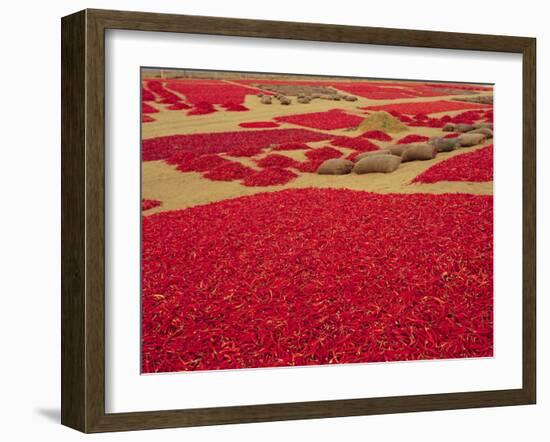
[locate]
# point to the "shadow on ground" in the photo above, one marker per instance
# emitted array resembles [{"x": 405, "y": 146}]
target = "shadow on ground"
[{"x": 51, "y": 414}]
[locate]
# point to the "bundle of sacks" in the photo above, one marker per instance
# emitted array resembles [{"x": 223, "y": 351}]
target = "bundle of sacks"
[
  {"x": 379, "y": 161},
  {"x": 304, "y": 98},
  {"x": 268, "y": 99},
  {"x": 451, "y": 127},
  {"x": 388, "y": 159},
  {"x": 368, "y": 162},
  {"x": 471, "y": 134}
]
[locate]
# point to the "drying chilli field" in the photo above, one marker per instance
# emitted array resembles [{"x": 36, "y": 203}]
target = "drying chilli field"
[{"x": 295, "y": 221}]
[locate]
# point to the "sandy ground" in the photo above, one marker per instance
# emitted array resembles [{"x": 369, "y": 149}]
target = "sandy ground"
[{"x": 178, "y": 190}]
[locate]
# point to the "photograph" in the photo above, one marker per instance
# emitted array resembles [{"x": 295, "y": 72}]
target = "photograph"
[{"x": 295, "y": 220}]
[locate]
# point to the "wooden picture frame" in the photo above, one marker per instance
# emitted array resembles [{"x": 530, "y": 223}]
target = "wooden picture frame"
[{"x": 83, "y": 220}]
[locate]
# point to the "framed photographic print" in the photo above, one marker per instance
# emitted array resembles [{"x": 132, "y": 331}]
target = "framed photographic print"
[{"x": 267, "y": 221}]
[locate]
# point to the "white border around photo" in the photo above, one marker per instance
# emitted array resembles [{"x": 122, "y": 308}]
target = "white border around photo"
[{"x": 127, "y": 390}]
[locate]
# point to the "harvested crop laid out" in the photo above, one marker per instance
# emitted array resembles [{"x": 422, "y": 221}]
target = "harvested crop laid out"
[
  {"x": 413, "y": 138},
  {"x": 147, "y": 95},
  {"x": 202, "y": 108},
  {"x": 202, "y": 163},
  {"x": 323, "y": 153},
  {"x": 161, "y": 94},
  {"x": 472, "y": 166},
  {"x": 358, "y": 143},
  {"x": 160, "y": 148},
  {"x": 259, "y": 124},
  {"x": 178, "y": 106},
  {"x": 383, "y": 122},
  {"x": 467, "y": 117},
  {"x": 372, "y": 85},
  {"x": 391, "y": 91},
  {"x": 147, "y": 204},
  {"x": 377, "y": 135},
  {"x": 297, "y": 221},
  {"x": 148, "y": 109},
  {"x": 276, "y": 160},
  {"x": 244, "y": 151},
  {"x": 291, "y": 146},
  {"x": 211, "y": 91},
  {"x": 329, "y": 120},
  {"x": 427, "y": 107},
  {"x": 271, "y": 176},
  {"x": 464, "y": 87},
  {"x": 376, "y": 92},
  {"x": 233, "y": 107},
  {"x": 311, "y": 166},
  {"x": 263, "y": 281}
]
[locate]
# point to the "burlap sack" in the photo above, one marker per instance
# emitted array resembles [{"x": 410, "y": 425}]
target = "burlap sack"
[
  {"x": 335, "y": 166},
  {"x": 419, "y": 152},
  {"x": 377, "y": 163},
  {"x": 467, "y": 140}
]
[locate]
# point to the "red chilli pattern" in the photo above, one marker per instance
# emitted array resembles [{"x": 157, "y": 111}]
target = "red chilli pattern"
[
  {"x": 377, "y": 135},
  {"x": 162, "y": 95},
  {"x": 291, "y": 146},
  {"x": 317, "y": 276},
  {"x": 472, "y": 166},
  {"x": 273, "y": 176},
  {"x": 277, "y": 160},
  {"x": 427, "y": 107},
  {"x": 148, "y": 109},
  {"x": 358, "y": 143},
  {"x": 147, "y": 204},
  {"x": 467, "y": 117},
  {"x": 258, "y": 124},
  {"x": 203, "y": 95},
  {"x": 147, "y": 95},
  {"x": 160, "y": 148},
  {"x": 413, "y": 138},
  {"x": 323, "y": 153},
  {"x": 329, "y": 120}
]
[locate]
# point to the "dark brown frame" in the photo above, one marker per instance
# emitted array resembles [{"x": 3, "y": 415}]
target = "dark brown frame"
[{"x": 83, "y": 216}]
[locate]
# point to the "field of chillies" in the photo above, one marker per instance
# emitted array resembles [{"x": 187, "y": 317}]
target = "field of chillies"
[
  {"x": 197, "y": 97},
  {"x": 381, "y": 90},
  {"x": 329, "y": 120},
  {"x": 147, "y": 204},
  {"x": 160, "y": 148},
  {"x": 311, "y": 276},
  {"x": 210, "y": 153},
  {"x": 423, "y": 120},
  {"x": 427, "y": 107},
  {"x": 377, "y": 92},
  {"x": 317, "y": 276},
  {"x": 474, "y": 166},
  {"x": 211, "y": 91}
]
